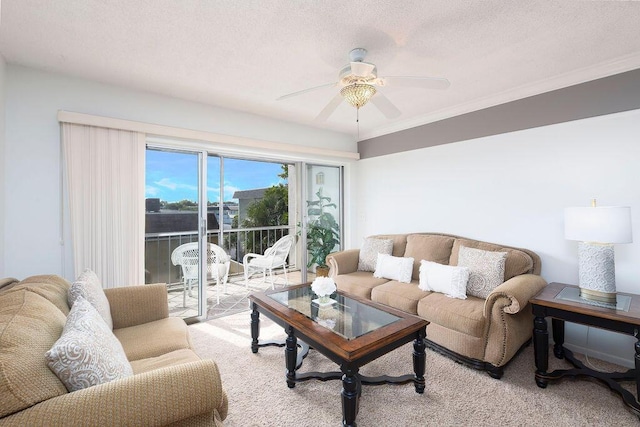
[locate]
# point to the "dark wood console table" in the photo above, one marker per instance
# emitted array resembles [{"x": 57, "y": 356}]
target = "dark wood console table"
[{"x": 552, "y": 302}]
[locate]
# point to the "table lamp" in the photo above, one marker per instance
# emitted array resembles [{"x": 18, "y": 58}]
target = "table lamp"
[{"x": 597, "y": 229}]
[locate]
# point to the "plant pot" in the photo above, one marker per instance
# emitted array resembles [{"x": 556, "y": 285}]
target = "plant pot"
[{"x": 322, "y": 271}]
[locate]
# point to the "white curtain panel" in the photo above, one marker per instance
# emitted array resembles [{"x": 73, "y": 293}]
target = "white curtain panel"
[{"x": 105, "y": 183}]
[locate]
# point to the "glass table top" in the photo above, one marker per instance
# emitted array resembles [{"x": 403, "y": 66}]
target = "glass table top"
[{"x": 345, "y": 316}]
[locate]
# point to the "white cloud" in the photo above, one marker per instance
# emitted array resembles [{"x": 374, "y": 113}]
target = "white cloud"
[
  {"x": 167, "y": 183},
  {"x": 151, "y": 191}
]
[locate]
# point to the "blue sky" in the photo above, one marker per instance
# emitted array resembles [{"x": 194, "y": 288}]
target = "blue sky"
[{"x": 173, "y": 176}]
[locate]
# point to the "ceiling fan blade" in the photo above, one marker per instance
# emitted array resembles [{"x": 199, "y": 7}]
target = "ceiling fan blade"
[
  {"x": 330, "y": 108},
  {"x": 300, "y": 92},
  {"x": 361, "y": 69},
  {"x": 385, "y": 106},
  {"x": 423, "y": 82}
]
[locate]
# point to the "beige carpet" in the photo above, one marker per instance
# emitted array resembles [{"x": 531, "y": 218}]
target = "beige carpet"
[{"x": 454, "y": 396}]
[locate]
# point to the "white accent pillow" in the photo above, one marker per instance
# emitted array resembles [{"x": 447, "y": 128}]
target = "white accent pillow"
[
  {"x": 88, "y": 286},
  {"x": 394, "y": 268},
  {"x": 486, "y": 270},
  {"x": 447, "y": 279},
  {"x": 87, "y": 353},
  {"x": 371, "y": 247}
]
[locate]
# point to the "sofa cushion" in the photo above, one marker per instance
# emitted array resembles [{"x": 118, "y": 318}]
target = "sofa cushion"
[
  {"x": 49, "y": 286},
  {"x": 518, "y": 262},
  {"x": 429, "y": 248},
  {"x": 87, "y": 353},
  {"x": 177, "y": 357},
  {"x": 465, "y": 316},
  {"x": 399, "y": 242},
  {"x": 394, "y": 268},
  {"x": 153, "y": 339},
  {"x": 486, "y": 270},
  {"x": 358, "y": 283},
  {"x": 448, "y": 279},
  {"x": 88, "y": 286},
  {"x": 403, "y": 296},
  {"x": 371, "y": 247},
  {"x": 29, "y": 325}
]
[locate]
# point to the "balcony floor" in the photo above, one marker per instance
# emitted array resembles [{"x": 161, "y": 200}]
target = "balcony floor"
[{"x": 234, "y": 300}]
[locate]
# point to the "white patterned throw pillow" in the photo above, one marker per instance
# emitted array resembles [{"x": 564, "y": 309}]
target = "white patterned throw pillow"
[
  {"x": 486, "y": 270},
  {"x": 87, "y": 353},
  {"x": 394, "y": 268},
  {"x": 88, "y": 286},
  {"x": 447, "y": 279},
  {"x": 371, "y": 247}
]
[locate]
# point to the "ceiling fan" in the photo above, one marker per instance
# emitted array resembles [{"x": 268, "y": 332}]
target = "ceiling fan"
[{"x": 358, "y": 81}]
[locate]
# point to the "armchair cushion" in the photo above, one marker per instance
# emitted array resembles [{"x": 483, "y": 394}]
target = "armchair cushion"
[
  {"x": 153, "y": 338},
  {"x": 371, "y": 247},
  {"x": 87, "y": 353},
  {"x": 29, "y": 325}
]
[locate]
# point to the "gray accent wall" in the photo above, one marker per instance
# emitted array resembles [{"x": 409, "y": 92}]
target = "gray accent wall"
[{"x": 613, "y": 94}]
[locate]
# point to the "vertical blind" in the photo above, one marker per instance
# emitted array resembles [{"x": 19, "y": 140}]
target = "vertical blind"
[{"x": 105, "y": 185}]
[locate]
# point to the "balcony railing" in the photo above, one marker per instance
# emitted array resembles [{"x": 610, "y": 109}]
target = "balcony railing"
[{"x": 159, "y": 246}]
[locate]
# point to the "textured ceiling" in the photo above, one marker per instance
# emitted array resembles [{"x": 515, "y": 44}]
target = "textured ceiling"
[{"x": 243, "y": 55}]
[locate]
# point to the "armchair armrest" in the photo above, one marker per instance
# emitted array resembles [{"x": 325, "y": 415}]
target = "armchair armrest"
[
  {"x": 517, "y": 291},
  {"x": 343, "y": 262},
  {"x": 135, "y": 305},
  {"x": 159, "y": 397}
]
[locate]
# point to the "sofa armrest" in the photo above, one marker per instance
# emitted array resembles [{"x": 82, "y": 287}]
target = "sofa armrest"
[
  {"x": 159, "y": 397},
  {"x": 135, "y": 305},
  {"x": 517, "y": 291},
  {"x": 343, "y": 262}
]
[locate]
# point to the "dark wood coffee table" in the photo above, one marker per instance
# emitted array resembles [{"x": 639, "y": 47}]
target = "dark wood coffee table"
[{"x": 350, "y": 331}]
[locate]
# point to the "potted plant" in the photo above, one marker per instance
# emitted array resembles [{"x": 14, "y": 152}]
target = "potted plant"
[{"x": 323, "y": 232}]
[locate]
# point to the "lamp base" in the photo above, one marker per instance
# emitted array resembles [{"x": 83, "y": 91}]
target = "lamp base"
[
  {"x": 604, "y": 297},
  {"x": 596, "y": 272}
]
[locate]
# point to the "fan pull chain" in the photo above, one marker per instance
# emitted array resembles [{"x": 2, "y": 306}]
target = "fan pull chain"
[{"x": 358, "y": 123}]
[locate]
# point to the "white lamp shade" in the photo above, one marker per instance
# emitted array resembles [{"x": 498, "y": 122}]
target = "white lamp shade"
[{"x": 606, "y": 224}]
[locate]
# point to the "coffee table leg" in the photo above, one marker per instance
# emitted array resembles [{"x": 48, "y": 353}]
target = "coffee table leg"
[
  {"x": 350, "y": 395},
  {"x": 419, "y": 361},
  {"x": 291, "y": 357},
  {"x": 255, "y": 327}
]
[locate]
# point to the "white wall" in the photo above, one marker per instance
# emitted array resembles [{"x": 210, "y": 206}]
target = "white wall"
[
  {"x": 2, "y": 165},
  {"x": 512, "y": 189},
  {"x": 32, "y": 239}
]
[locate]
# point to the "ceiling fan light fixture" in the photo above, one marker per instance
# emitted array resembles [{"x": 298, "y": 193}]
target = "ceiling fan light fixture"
[{"x": 358, "y": 94}]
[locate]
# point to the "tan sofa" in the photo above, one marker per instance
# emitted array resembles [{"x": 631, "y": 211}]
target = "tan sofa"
[
  {"x": 482, "y": 333},
  {"x": 171, "y": 385}
]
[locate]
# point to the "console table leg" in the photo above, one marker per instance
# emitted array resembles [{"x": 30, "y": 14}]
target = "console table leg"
[
  {"x": 558, "y": 337},
  {"x": 255, "y": 327},
  {"x": 350, "y": 396},
  {"x": 541, "y": 348},
  {"x": 419, "y": 361},
  {"x": 291, "y": 357}
]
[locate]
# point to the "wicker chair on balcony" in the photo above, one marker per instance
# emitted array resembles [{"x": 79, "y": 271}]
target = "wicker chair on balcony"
[
  {"x": 218, "y": 262},
  {"x": 274, "y": 257}
]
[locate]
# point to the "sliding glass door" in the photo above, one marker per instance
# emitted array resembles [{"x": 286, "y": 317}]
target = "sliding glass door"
[
  {"x": 323, "y": 194},
  {"x": 202, "y": 203},
  {"x": 175, "y": 228}
]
